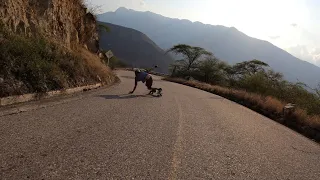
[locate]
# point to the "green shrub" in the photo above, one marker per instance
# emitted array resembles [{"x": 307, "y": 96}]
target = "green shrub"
[
  {"x": 33, "y": 65},
  {"x": 116, "y": 63},
  {"x": 251, "y": 76}
]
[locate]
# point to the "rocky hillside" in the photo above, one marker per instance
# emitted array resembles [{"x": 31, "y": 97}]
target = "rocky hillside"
[
  {"x": 66, "y": 21},
  {"x": 134, "y": 48},
  {"x": 48, "y": 44}
]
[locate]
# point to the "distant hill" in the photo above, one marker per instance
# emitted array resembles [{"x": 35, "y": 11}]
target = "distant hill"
[
  {"x": 228, "y": 44},
  {"x": 134, "y": 48}
]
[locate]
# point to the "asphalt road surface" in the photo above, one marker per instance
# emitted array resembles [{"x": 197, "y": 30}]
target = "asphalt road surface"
[{"x": 186, "y": 134}]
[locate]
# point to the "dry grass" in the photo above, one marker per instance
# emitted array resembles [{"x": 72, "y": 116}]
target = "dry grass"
[
  {"x": 51, "y": 56},
  {"x": 97, "y": 66},
  {"x": 314, "y": 121},
  {"x": 268, "y": 106},
  {"x": 273, "y": 104},
  {"x": 36, "y": 65}
]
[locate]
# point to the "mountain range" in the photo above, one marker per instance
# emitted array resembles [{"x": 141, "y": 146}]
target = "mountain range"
[
  {"x": 133, "y": 48},
  {"x": 227, "y": 43}
]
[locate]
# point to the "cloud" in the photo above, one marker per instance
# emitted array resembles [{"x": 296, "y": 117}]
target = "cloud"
[
  {"x": 274, "y": 37},
  {"x": 306, "y": 53},
  {"x": 294, "y": 25},
  {"x": 316, "y": 55},
  {"x": 113, "y": 5},
  {"x": 142, "y": 3},
  {"x": 317, "y": 60}
]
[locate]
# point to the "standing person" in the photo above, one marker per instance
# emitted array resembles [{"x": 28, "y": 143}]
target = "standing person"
[{"x": 144, "y": 77}]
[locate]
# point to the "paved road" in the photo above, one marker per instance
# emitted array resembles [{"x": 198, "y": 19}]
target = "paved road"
[{"x": 186, "y": 134}]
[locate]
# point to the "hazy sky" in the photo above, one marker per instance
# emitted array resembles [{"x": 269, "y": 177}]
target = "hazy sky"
[{"x": 293, "y": 25}]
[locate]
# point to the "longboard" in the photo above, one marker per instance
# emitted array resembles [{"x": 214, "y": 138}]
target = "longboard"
[{"x": 156, "y": 90}]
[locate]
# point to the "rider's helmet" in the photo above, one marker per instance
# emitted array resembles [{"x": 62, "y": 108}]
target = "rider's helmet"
[{"x": 136, "y": 70}]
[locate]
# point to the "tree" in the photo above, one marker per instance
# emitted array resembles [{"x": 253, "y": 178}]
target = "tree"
[
  {"x": 274, "y": 76},
  {"x": 248, "y": 68},
  {"x": 92, "y": 8},
  {"x": 175, "y": 68},
  {"x": 212, "y": 69},
  {"x": 318, "y": 90},
  {"x": 257, "y": 83},
  {"x": 191, "y": 54},
  {"x": 315, "y": 90},
  {"x": 104, "y": 27}
]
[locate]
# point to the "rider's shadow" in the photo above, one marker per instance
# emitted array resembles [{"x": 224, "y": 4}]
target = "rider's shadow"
[{"x": 123, "y": 96}]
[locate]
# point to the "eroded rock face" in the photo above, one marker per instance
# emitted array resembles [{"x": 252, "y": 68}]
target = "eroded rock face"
[{"x": 64, "y": 20}]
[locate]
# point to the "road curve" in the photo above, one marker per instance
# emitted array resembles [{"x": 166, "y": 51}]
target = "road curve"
[{"x": 186, "y": 134}]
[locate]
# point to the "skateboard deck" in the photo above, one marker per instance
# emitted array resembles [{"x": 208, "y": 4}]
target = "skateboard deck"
[{"x": 158, "y": 94}]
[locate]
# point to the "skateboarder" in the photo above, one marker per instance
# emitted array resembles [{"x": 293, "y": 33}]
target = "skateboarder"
[{"x": 145, "y": 78}]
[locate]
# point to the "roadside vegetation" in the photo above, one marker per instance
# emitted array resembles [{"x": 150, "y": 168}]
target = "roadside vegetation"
[
  {"x": 251, "y": 83},
  {"x": 114, "y": 61},
  {"x": 36, "y": 65}
]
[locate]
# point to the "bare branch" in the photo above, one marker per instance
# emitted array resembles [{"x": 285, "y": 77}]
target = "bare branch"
[{"x": 92, "y": 8}]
